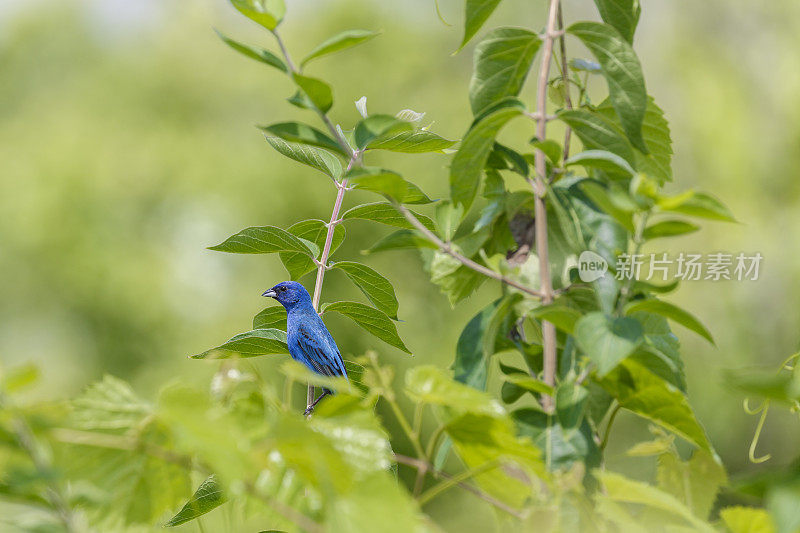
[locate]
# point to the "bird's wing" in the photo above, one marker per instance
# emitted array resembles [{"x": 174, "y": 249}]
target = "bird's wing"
[{"x": 321, "y": 354}]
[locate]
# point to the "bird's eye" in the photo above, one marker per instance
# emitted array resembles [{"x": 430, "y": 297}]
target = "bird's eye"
[{"x": 281, "y": 289}]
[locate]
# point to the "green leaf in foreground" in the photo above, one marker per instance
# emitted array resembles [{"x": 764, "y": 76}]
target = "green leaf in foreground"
[
  {"x": 302, "y": 133},
  {"x": 602, "y": 159},
  {"x": 669, "y": 228},
  {"x": 268, "y": 13},
  {"x": 207, "y": 497},
  {"x": 273, "y": 317},
  {"x": 598, "y": 133},
  {"x": 342, "y": 41},
  {"x": 502, "y": 61},
  {"x": 319, "y": 92},
  {"x": 672, "y": 312},
  {"x": 622, "y": 14},
  {"x": 376, "y": 126},
  {"x": 315, "y": 231},
  {"x": 253, "y": 52},
  {"x": 623, "y": 73},
  {"x": 401, "y": 240},
  {"x": 607, "y": 340},
  {"x": 385, "y": 213},
  {"x": 374, "y": 286},
  {"x": 697, "y": 204},
  {"x": 265, "y": 240},
  {"x": 317, "y": 158},
  {"x": 467, "y": 167},
  {"x": 639, "y": 390},
  {"x": 250, "y": 344},
  {"x": 476, "y": 12},
  {"x": 411, "y": 142},
  {"x": 378, "y": 180},
  {"x": 374, "y": 321}
]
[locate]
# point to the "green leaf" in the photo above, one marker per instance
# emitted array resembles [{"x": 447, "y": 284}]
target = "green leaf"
[
  {"x": 529, "y": 383},
  {"x": 375, "y": 126},
  {"x": 273, "y": 317},
  {"x": 697, "y": 204},
  {"x": 374, "y": 286},
  {"x": 571, "y": 402},
  {"x": 109, "y": 404},
  {"x": 414, "y": 195},
  {"x": 672, "y": 312},
  {"x": 782, "y": 387},
  {"x": 468, "y": 163},
  {"x": 471, "y": 365},
  {"x": 502, "y": 61},
  {"x": 623, "y": 74},
  {"x": 207, "y": 497},
  {"x": 319, "y": 92},
  {"x": 317, "y": 158},
  {"x": 18, "y": 378},
  {"x": 639, "y": 390},
  {"x": 669, "y": 228},
  {"x": 695, "y": 482},
  {"x": 747, "y": 520},
  {"x": 374, "y": 321},
  {"x": 265, "y": 240},
  {"x": 622, "y": 14},
  {"x": 268, "y": 13},
  {"x": 607, "y": 340},
  {"x": 401, "y": 240},
  {"x": 315, "y": 231},
  {"x": 302, "y": 133},
  {"x": 563, "y": 317},
  {"x": 249, "y": 344},
  {"x": 430, "y": 385},
  {"x": 782, "y": 505},
  {"x": 598, "y": 133},
  {"x": 411, "y": 142},
  {"x": 385, "y": 213},
  {"x": 378, "y": 180},
  {"x": 342, "y": 41},
  {"x": 602, "y": 159},
  {"x": 253, "y": 52},
  {"x": 621, "y": 489},
  {"x": 383, "y": 497},
  {"x": 601, "y": 197},
  {"x": 476, "y": 12}
]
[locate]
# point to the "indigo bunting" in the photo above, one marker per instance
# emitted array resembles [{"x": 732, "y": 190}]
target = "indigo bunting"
[{"x": 309, "y": 340}]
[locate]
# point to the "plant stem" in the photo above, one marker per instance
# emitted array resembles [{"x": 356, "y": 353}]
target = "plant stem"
[
  {"x": 540, "y": 207},
  {"x": 419, "y": 464},
  {"x": 607, "y": 432},
  {"x": 565, "y": 77},
  {"x": 469, "y": 263}
]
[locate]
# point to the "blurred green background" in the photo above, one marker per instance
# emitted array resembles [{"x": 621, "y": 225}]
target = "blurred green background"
[{"x": 127, "y": 145}]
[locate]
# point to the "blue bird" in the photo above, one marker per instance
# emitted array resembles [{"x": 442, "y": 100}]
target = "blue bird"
[{"x": 309, "y": 340}]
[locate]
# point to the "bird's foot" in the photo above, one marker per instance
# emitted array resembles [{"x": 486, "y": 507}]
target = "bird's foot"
[{"x": 308, "y": 411}]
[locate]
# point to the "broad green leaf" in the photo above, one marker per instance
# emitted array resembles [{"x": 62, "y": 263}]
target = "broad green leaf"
[
  {"x": 623, "y": 74},
  {"x": 695, "y": 482},
  {"x": 415, "y": 196},
  {"x": 476, "y": 12},
  {"x": 302, "y": 133},
  {"x": 602, "y": 159},
  {"x": 411, "y": 142},
  {"x": 501, "y": 64},
  {"x": 697, "y": 204},
  {"x": 207, "y": 497},
  {"x": 639, "y": 390},
  {"x": 319, "y": 92},
  {"x": 374, "y": 286},
  {"x": 378, "y": 180},
  {"x": 268, "y": 13},
  {"x": 563, "y": 317},
  {"x": 265, "y": 240},
  {"x": 342, "y": 41},
  {"x": 376, "y": 503},
  {"x": 385, "y": 213},
  {"x": 601, "y": 197},
  {"x": 622, "y": 14},
  {"x": 564, "y": 447},
  {"x": 430, "y": 385},
  {"x": 669, "y": 228},
  {"x": 317, "y": 158},
  {"x": 529, "y": 383},
  {"x": 470, "y": 364},
  {"x": 253, "y": 52},
  {"x": 273, "y": 317},
  {"x": 375, "y": 126},
  {"x": 672, "y": 312},
  {"x": 401, "y": 240},
  {"x": 598, "y": 133},
  {"x": 314, "y": 231},
  {"x": 460, "y": 283},
  {"x": 467, "y": 166},
  {"x": 621, "y": 489},
  {"x": 747, "y": 520},
  {"x": 570, "y": 404},
  {"x": 109, "y": 404},
  {"x": 607, "y": 340},
  {"x": 299, "y": 372},
  {"x": 374, "y": 321},
  {"x": 249, "y": 344},
  {"x": 782, "y": 387}
]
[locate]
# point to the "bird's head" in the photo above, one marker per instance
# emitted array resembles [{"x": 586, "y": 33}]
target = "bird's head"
[{"x": 289, "y": 294}]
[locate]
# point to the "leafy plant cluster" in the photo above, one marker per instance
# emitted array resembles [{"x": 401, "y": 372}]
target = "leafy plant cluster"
[{"x": 569, "y": 355}]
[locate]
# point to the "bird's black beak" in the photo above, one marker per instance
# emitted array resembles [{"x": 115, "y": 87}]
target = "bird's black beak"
[{"x": 270, "y": 294}]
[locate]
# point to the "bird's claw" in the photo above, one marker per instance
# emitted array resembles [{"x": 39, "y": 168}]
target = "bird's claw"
[{"x": 308, "y": 410}]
